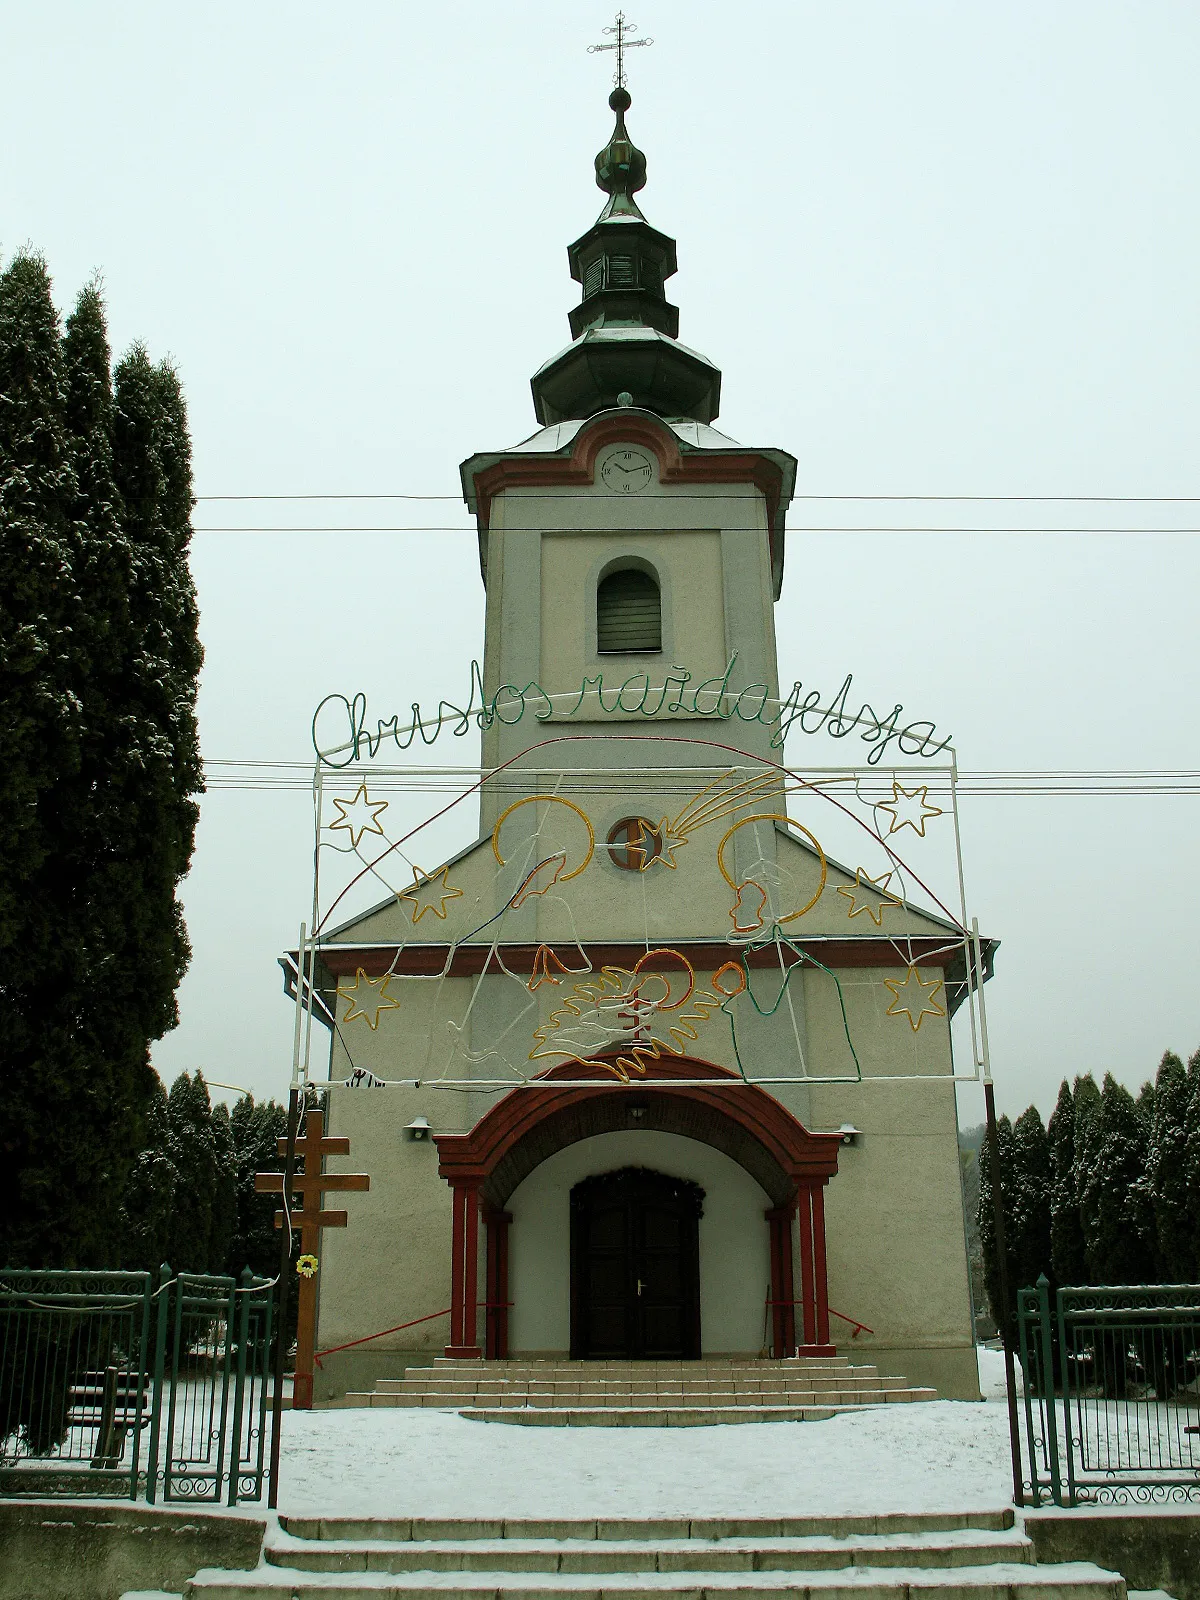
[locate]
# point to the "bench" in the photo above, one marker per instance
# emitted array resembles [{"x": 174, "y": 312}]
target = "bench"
[{"x": 113, "y": 1402}]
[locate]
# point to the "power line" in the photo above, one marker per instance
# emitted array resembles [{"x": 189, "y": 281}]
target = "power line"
[
  {"x": 794, "y": 528},
  {"x": 994, "y": 499}
]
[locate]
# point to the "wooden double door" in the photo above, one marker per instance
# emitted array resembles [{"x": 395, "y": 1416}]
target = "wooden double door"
[{"x": 635, "y": 1267}]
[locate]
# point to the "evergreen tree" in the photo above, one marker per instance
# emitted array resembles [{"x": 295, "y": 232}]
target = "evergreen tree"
[
  {"x": 225, "y": 1196},
  {"x": 52, "y": 1210},
  {"x": 99, "y": 762},
  {"x": 1191, "y": 1161},
  {"x": 1166, "y": 1172},
  {"x": 1086, "y": 1133},
  {"x": 1066, "y": 1232},
  {"x": 257, "y": 1129},
  {"x": 996, "y": 1166},
  {"x": 1118, "y": 1215},
  {"x": 193, "y": 1148},
  {"x": 152, "y": 468},
  {"x": 1032, "y": 1185},
  {"x": 148, "y": 1209}
]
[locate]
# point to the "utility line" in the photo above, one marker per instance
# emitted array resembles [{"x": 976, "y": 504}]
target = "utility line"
[
  {"x": 793, "y": 528},
  {"x": 676, "y": 494}
]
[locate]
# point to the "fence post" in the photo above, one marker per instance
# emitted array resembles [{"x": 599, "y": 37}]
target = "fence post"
[
  {"x": 160, "y": 1351},
  {"x": 1035, "y": 1482},
  {"x": 1006, "y": 1329},
  {"x": 1047, "y": 1365},
  {"x": 239, "y": 1385}
]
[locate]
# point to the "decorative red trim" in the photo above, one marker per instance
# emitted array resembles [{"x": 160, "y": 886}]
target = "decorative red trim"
[
  {"x": 472, "y": 960},
  {"x": 674, "y": 467},
  {"x": 473, "y": 1157}
]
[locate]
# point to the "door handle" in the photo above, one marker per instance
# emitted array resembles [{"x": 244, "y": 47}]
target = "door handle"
[{"x": 641, "y": 1286}]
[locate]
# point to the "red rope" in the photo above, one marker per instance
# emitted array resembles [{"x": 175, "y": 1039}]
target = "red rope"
[
  {"x": 859, "y": 1327},
  {"x": 490, "y": 1305}
]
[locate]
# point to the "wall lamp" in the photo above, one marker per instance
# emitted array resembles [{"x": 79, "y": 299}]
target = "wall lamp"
[
  {"x": 849, "y": 1134},
  {"x": 418, "y": 1128}
]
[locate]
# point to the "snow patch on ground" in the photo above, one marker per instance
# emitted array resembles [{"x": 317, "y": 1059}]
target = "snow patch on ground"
[
  {"x": 991, "y": 1373},
  {"x": 940, "y": 1455}
]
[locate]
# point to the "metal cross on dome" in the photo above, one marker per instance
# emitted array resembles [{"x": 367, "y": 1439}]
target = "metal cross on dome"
[{"x": 620, "y": 44}]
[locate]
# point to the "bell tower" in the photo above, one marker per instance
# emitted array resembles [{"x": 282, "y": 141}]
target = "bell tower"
[{"x": 629, "y": 549}]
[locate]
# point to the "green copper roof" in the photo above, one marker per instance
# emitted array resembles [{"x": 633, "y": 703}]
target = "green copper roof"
[{"x": 624, "y": 329}]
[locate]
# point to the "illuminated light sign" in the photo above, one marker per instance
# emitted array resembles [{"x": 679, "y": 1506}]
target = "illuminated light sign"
[{"x": 342, "y": 734}]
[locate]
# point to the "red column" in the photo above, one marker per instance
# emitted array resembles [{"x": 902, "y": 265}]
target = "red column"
[
  {"x": 807, "y": 1289},
  {"x": 464, "y": 1269},
  {"x": 821, "y": 1281},
  {"x": 783, "y": 1292},
  {"x": 496, "y": 1314},
  {"x": 814, "y": 1291}
]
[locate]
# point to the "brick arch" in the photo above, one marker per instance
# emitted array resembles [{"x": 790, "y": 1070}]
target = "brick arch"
[{"x": 721, "y": 1110}]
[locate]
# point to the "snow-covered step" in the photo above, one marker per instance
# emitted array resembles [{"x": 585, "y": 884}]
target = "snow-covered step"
[
  {"x": 817, "y": 1554},
  {"x": 1002, "y": 1519},
  {"x": 994, "y": 1581},
  {"x": 661, "y": 1416}
]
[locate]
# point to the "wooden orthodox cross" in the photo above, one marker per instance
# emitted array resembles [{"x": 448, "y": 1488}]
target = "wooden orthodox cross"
[{"x": 313, "y": 1146}]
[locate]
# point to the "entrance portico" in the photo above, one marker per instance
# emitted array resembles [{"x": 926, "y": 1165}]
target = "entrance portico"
[{"x": 685, "y": 1096}]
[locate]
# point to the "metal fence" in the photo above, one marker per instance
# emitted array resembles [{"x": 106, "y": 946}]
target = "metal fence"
[
  {"x": 1111, "y": 1407},
  {"x": 111, "y": 1386}
]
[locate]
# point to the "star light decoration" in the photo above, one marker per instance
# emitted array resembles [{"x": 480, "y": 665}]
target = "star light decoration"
[
  {"x": 358, "y": 816},
  {"x": 429, "y": 892},
  {"x": 668, "y": 841},
  {"x": 368, "y": 997},
  {"x": 914, "y": 998},
  {"x": 909, "y": 808},
  {"x": 878, "y": 886}
]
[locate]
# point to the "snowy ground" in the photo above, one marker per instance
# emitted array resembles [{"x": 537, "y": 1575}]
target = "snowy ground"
[{"x": 944, "y": 1455}]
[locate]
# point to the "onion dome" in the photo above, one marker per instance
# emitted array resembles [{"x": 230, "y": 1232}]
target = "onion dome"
[{"x": 624, "y": 330}]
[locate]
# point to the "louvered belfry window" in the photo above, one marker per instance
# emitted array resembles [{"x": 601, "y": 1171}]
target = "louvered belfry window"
[{"x": 628, "y": 613}]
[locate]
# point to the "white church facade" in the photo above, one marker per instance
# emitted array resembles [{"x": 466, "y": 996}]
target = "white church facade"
[{"x": 688, "y": 1080}]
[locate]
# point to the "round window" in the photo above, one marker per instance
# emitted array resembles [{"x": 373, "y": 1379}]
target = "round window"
[{"x": 633, "y": 843}]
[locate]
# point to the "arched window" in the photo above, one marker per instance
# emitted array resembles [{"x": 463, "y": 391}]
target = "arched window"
[{"x": 628, "y": 613}]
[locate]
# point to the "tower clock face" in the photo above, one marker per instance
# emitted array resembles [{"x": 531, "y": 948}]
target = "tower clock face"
[{"x": 627, "y": 471}]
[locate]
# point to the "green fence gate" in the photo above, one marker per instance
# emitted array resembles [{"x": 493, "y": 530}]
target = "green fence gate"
[
  {"x": 1111, "y": 1405},
  {"x": 112, "y": 1386}
]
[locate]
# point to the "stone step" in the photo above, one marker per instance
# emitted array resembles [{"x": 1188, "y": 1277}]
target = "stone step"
[
  {"x": 949, "y": 1550},
  {"x": 657, "y": 1417},
  {"x": 417, "y": 1385},
  {"x": 853, "y": 1525},
  {"x": 749, "y": 1363},
  {"x": 993, "y": 1581},
  {"x": 545, "y": 1408},
  {"x": 846, "y": 1381}
]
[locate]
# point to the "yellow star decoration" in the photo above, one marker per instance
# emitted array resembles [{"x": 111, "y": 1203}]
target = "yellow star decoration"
[
  {"x": 914, "y": 998},
  {"x": 368, "y": 997},
  {"x": 877, "y": 886},
  {"x": 668, "y": 842},
  {"x": 909, "y": 815},
  {"x": 358, "y": 816},
  {"x": 429, "y": 892}
]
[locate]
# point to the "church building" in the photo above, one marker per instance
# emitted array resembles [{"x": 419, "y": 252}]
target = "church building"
[{"x": 644, "y": 1073}]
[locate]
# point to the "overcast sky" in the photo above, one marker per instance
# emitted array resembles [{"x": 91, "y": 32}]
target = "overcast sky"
[{"x": 937, "y": 249}]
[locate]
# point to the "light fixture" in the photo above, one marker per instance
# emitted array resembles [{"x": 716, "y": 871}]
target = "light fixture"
[
  {"x": 849, "y": 1134},
  {"x": 636, "y": 1111},
  {"x": 418, "y": 1128}
]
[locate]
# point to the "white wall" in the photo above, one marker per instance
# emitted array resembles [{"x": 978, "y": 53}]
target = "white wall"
[{"x": 734, "y": 1256}]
